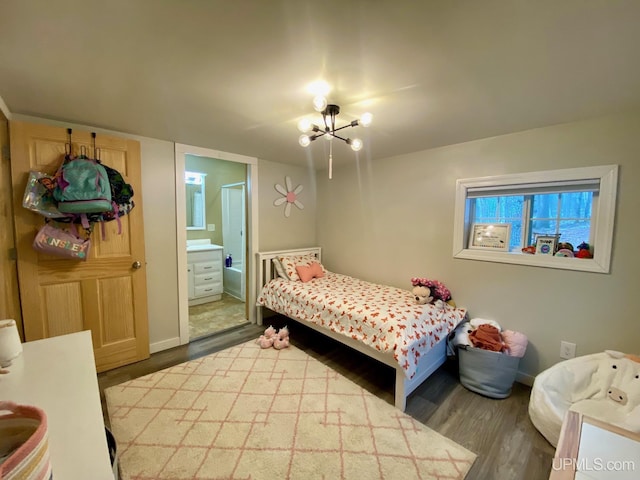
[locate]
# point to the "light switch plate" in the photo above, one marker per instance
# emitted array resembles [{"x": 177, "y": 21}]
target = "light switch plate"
[{"x": 211, "y": 227}]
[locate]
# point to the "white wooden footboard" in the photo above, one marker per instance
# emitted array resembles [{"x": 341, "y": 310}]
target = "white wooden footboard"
[{"x": 428, "y": 363}]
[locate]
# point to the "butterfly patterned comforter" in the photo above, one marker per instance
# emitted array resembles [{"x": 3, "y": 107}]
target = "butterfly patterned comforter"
[{"x": 383, "y": 317}]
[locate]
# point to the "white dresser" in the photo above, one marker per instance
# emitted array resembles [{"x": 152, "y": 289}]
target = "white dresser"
[{"x": 204, "y": 264}]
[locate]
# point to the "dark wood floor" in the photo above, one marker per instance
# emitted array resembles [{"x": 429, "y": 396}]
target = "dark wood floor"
[{"x": 498, "y": 431}]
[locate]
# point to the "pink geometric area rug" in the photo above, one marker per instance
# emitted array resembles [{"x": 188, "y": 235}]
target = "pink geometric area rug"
[{"x": 249, "y": 413}]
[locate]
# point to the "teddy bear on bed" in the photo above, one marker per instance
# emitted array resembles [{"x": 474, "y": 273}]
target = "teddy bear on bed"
[
  {"x": 422, "y": 295},
  {"x": 430, "y": 291}
]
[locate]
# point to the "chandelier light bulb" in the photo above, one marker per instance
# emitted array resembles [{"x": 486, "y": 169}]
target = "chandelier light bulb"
[
  {"x": 304, "y": 140},
  {"x": 304, "y": 125},
  {"x": 319, "y": 103},
  {"x": 356, "y": 144},
  {"x": 366, "y": 119}
]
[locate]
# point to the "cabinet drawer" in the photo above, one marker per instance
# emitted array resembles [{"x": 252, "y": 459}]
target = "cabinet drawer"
[
  {"x": 207, "y": 256},
  {"x": 209, "y": 289},
  {"x": 207, "y": 267},
  {"x": 207, "y": 278}
]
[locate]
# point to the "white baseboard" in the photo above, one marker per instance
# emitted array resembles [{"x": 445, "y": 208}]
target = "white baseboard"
[
  {"x": 525, "y": 378},
  {"x": 164, "y": 345}
]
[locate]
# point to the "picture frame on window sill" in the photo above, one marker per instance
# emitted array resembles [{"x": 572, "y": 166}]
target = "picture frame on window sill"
[
  {"x": 490, "y": 236},
  {"x": 546, "y": 245}
]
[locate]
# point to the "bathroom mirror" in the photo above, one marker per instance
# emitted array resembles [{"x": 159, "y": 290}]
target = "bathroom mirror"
[{"x": 195, "y": 200}]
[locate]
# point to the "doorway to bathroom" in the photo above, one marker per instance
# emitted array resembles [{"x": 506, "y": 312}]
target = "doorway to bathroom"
[
  {"x": 215, "y": 246},
  {"x": 218, "y": 240}
]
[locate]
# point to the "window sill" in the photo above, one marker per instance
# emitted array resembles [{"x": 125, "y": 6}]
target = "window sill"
[
  {"x": 603, "y": 217},
  {"x": 545, "y": 261}
]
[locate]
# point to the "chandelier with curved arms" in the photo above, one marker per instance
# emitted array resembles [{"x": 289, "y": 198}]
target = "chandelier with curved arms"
[{"x": 311, "y": 131}]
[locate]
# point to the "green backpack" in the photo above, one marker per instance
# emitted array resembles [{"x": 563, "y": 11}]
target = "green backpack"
[
  {"x": 121, "y": 203},
  {"x": 82, "y": 187}
]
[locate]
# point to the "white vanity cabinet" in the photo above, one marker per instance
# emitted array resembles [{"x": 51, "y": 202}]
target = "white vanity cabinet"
[{"x": 205, "y": 275}]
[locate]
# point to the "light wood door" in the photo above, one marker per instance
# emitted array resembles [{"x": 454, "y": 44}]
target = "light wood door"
[
  {"x": 106, "y": 294},
  {"x": 9, "y": 298}
]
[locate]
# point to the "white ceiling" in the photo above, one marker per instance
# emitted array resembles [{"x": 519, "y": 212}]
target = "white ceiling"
[{"x": 231, "y": 75}]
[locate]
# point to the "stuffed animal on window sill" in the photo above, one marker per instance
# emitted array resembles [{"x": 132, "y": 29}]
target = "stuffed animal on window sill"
[
  {"x": 281, "y": 339},
  {"x": 584, "y": 251}
]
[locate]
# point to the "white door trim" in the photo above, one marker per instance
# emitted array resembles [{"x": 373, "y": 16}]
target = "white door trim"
[{"x": 181, "y": 230}]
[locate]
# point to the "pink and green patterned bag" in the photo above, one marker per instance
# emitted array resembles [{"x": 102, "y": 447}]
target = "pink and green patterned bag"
[{"x": 59, "y": 242}]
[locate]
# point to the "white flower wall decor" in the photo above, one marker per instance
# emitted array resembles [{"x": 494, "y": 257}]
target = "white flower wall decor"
[{"x": 289, "y": 196}]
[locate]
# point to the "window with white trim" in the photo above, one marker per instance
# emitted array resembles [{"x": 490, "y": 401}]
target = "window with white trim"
[{"x": 575, "y": 206}]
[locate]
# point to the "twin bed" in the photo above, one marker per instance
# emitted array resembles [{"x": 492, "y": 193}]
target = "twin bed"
[{"x": 380, "y": 321}]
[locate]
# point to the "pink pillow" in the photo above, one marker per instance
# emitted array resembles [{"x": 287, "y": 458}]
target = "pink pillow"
[
  {"x": 290, "y": 263},
  {"x": 308, "y": 272}
]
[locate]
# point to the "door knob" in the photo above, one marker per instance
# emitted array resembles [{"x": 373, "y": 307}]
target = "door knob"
[{"x": 136, "y": 265}]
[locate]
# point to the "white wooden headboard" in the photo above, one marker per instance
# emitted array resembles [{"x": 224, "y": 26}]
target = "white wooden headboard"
[{"x": 266, "y": 272}]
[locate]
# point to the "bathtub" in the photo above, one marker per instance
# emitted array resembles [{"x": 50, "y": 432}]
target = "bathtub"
[{"x": 233, "y": 280}]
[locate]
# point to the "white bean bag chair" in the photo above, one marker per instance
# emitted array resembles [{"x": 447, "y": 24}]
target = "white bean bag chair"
[{"x": 603, "y": 385}]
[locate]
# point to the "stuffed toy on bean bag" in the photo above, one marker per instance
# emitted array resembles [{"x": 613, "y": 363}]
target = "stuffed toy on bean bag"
[{"x": 605, "y": 386}]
